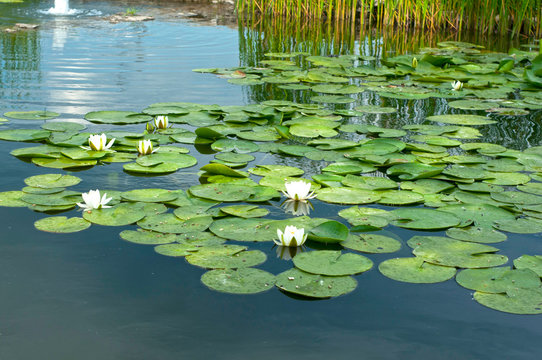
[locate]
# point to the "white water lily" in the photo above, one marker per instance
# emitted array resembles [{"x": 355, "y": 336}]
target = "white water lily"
[
  {"x": 297, "y": 208},
  {"x": 93, "y": 200},
  {"x": 292, "y": 236},
  {"x": 298, "y": 190},
  {"x": 98, "y": 143},
  {"x": 161, "y": 122},
  {"x": 144, "y": 147},
  {"x": 457, "y": 85}
]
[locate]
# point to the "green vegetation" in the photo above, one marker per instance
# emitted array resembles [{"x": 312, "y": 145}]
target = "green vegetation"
[
  {"x": 131, "y": 12},
  {"x": 516, "y": 16}
]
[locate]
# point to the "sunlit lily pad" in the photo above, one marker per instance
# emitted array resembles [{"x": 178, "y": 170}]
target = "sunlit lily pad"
[
  {"x": 484, "y": 235},
  {"x": 413, "y": 171},
  {"x": 461, "y": 119},
  {"x": 164, "y": 168},
  {"x": 415, "y": 270},
  {"x": 149, "y": 195},
  {"x": 49, "y": 181},
  {"x": 239, "y": 281},
  {"x": 169, "y": 223},
  {"x": 118, "y": 215},
  {"x": 176, "y": 250},
  {"x": 519, "y": 226},
  {"x": 316, "y": 286},
  {"x": 117, "y": 117},
  {"x": 222, "y": 192},
  {"x": 32, "y": 115},
  {"x": 24, "y": 134},
  {"x": 245, "y": 211},
  {"x": 345, "y": 195},
  {"x": 61, "y": 224},
  {"x": 12, "y": 199},
  {"x": 276, "y": 170},
  {"x": 329, "y": 232},
  {"x": 63, "y": 163}
]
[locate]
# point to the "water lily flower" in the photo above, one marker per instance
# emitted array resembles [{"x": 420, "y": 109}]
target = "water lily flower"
[
  {"x": 161, "y": 122},
  {"x": 144, "y": 147},
  {"x": 414, "y": 62},
  {"x": 298, "y": 190},
  {"x": 149, "y": 127},
  {"x": 93, "y": 200},
  {"x": 98, "y": 143},
  {"x": 297, "y": 208},
  {"x": 457, "y": 85},
  {"x": 292, "y": 236}
]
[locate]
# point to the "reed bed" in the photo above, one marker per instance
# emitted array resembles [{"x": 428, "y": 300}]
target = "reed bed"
[{"x": 499, "y": 16}]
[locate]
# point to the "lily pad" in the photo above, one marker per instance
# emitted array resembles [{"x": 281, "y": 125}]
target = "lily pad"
[
  {"x": 171, "y": 224},
  {"x": 239, "y": 281},
  {"x": 530, "y": 262},
  {"x": 117, "y": 117},
  {"x": 118, "y": 215},
  {"x": 478, "y": 234},
  {"x": 245, "y": 211},
  {"x": 515, "y": 301},
  {"x": 222, "y": 192},
  {"x": 497, "y": 280},
  {"x": 345, "y": 195},
  {"x": 329, "y": 232},
  {"x": 12, "y": 199},
  {"x": 276, "y": 170},
  {"x": 423, "y": 219},
  {"x": 61, "y": 224},
  {"x": 149, "y": 195},
  {"x": 461, "y": 119},
  {"x": 332, "y": 263},
  {"x": 147, "y": 237},
  {"x": 372, "y": 243},
  {"x": 32, "y": 115},
  {"x": 316, "y": 286},
  {"x": 415, "y": 270},
  {"x": 221, "y": 257}
]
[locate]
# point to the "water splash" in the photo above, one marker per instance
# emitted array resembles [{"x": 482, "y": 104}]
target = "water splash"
[{"x": 62, "y": 7}]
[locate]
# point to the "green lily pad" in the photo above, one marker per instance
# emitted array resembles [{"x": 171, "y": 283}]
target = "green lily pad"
[
  {"x": 423, "y": 219},
  {"x": 179, "y": 160},
  {"x": 149, "y": 195},
  {"x": 49, "y": 181},
  {"x": 315, "y": 286},
  {"x": 461, "y": 119},
  {"x": 63, "y": 163},
  {"x": 329, "y": 232},
  {"x": 164, "y": 168},
  {"x": 415, "y": 270},
  {"x": 517, "y": 197},
  {"x": 372, "y": 243},
  {"x": 507, "y": 179},
  {"x": 372, "y": 109},
  {"x": 519, "y": 226},
  {"x": 276, "y": 170},
  {"x": 477, "y": 234},
  {"x": 118, "y": 215},
  {"x": 530, "y": 262},
  {"x": 12, "y": 199},
  {"x": 235, "y": 158},
  {"x": 399, "y": 197},
  {"x": 413, "y": 171},
  {"x": 497, "y": 280},
  {"x": 237, "y": 146},
  {"x": 332, "y": 263},
  {"x": 32, "y": 115},
  {"x": 63, "y": 126},
  {"x": 345, "y": 195},
  {"x": 426, "y": 186},
  {"x": 222, "y": 257},
  {"x": 344, "y": 168},
  {"x": 222, "y": 192},
  {"x": 480, "y": 214},
  {"x": 239, "y": 281},
  {"x": 449, "y": 252},
  {"x": 221, "y": 169},
  {"x": 171, "y": 224},
  {"x": 61, "y": 224},
  {"x": 147, "y": 237},
  {"x": 245, "y": 211},
  {"x": 369, "y": 182},
  {"x": 176, "y": 250},
  {"x": 515, "y": 301},
  {"x": 365, "y": 218},
  {"x": 117, "y": 117},
  {"x": 57, "y": 199},
  {"x": 24, "y": 134}
]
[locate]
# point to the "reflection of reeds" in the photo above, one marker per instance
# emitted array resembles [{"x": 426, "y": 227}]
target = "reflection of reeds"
[{"x": 516, "y": 16}]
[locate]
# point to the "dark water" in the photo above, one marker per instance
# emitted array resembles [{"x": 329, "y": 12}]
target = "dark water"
[{"x": 90, "y": 295}]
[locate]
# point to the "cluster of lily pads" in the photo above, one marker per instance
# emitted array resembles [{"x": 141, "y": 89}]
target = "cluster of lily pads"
[{"x": 433, "y": 176}]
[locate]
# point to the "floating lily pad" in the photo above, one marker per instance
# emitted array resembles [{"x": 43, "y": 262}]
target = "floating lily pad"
[
  {"x": 372, "y": 109},
  {"x": 365, "y": 218},
  {"x": 515, "y": 301},
  {"x": 117, "y": 117},
  {"x": 222, "y": 192},
  {"x": 176, "y": 250},
  {"x": 329, "y": 232},
  {"x": 118, "y": 215},
  {"x": 477, "y": 234},
  {"x": 238, "y": 146},
  {"x": 345, "y": 195},
  {"x": 415, "y": 270},
  {"x": 372, "y": 243},
  {"x": 316, "y": 286},
  {"x": 461, "y": 119},
  {"x": 32, "y": 115},
  {"x": 149, "y": 195},
  {"x": 63, "y": 126},
  {"x": 399, "y": 197},
  {"x": 58, "y": 199},
  {"x": 332, "y": 263},
  {"x": 169, "y": 223},
  {"x": 24, "y": 134},
  {"x": 413, "y": 171},
  {"x": 239, "y": 281},
  {"x": 244, "y": 211},
  {"x": 147, "y": 237},
  {"x": 164, "y": 168},
  {"x": 276, "y": 170},
  {"x": 530, "y": 262},
  {"x": 480, "y": 214},
  {"x": 222, "y": 257},
  {"x": 423, "y": 219},
  {"x": 63, "y": 163},
  {"x": 519, "y": 226},
  {"x": 497, "y": 280},
  {"x": 12, "y": 199},
  {"x": 61, "y": 224}
]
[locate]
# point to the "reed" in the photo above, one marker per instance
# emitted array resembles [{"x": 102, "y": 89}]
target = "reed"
[{"x": 487, "y": 16}]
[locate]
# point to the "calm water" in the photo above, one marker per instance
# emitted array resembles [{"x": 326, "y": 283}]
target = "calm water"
[{"x": 90, "y": 295}]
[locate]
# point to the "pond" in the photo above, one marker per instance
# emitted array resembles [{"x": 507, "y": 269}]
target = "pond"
[{"x": 90, "y": 294}]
